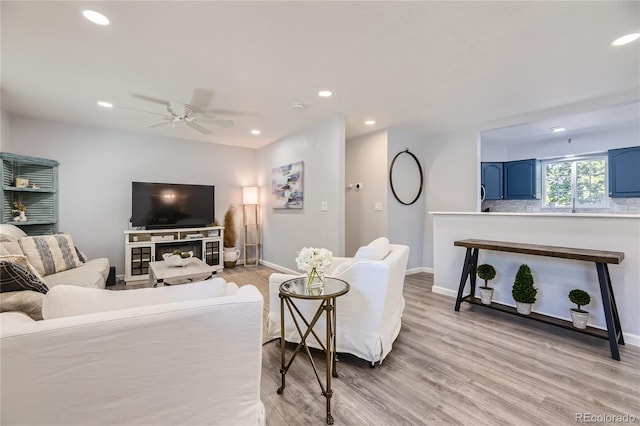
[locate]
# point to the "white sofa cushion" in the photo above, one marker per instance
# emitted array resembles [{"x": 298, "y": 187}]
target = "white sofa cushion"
[
  {"x": 91, "y": 274},
  {"x": 66, "y": 300},
  {"x": 50, "y": 253},
  {"x": 14, "y": 319},
  {"x": 377, "y": 249}
]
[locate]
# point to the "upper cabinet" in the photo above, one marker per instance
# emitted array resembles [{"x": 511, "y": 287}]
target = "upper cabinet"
[
  {"x": 624, "y": 172},
  {"x": 29, "y": 183},
  {"x": 520, "y": 179},
  {"x": 492, "y": 181}
]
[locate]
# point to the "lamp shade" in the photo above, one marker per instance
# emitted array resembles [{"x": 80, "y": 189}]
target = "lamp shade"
[{"x": 250, "y": 195}]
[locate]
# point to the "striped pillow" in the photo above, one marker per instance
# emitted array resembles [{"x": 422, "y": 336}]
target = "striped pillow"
[
  {"x": 50, "y": 253},
  {"x": 16, "y": 277}
]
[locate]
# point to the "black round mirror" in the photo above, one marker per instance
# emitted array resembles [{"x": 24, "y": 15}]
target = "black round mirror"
[{"x": 405, "y": 177}]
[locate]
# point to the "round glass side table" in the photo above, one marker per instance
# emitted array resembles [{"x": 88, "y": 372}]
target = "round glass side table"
[{"x": 297, "y": 288}]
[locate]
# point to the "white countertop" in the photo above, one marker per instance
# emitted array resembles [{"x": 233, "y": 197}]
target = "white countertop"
[{"x": 564, "y": 215}]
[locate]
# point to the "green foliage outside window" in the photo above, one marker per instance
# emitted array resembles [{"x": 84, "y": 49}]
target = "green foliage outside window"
[{"x": 588, "y": 177}]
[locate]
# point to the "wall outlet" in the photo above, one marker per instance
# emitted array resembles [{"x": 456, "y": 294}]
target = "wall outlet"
[
  {"x": 323, "y": 206},
  {"x": 377, "y": 206}
]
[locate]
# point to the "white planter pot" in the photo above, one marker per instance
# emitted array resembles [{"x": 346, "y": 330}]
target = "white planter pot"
[
  {"x": 579, "y": 319},
  {"x": 230, "y": 254},
  {"x": 523, "y": 308},
  {"x": 486, "y": 294}
]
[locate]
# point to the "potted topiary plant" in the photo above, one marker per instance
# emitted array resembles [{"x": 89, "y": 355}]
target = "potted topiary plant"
[
  {"x": 523, "y": 291},
  {"x": 487, "y": 273},
  {"x": 579, "y": 316},
  {"x": 230, "y": 252}
]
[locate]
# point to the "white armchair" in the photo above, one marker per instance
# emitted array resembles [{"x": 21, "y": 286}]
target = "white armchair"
[{"x": 369, "y": 315}]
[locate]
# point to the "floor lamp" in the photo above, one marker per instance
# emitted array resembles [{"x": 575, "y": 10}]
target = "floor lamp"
[{"x": 250, "y": 221}]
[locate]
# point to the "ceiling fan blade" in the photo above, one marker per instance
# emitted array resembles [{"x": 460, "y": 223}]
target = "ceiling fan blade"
[
  {"x": 201, "y": 98},
  {"x": 160, "y": 123},
  {"x": 150, "y": 99},
  {"x": 199, "y": 128},
  {"x": 219, "y": 111},
  {"x": 141, "y": 110},
  {"x": 219, "y": 121}
]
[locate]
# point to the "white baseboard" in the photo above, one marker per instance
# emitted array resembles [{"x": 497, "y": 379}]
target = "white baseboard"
[
  {"x": 279, "y": 268},
  {"x": 446, "y": 291},
  {"x": 418, "y": 270}
]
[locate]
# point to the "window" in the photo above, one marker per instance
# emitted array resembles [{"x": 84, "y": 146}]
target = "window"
[{"x": 581, "y": 179}]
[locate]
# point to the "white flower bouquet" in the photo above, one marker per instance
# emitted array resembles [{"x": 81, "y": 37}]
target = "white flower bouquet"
[{"x": 314, "y": 261}]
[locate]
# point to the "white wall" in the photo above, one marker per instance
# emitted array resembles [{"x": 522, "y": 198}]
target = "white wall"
[
  {"x": 452, "y": 180},
  {"x": 406, "y": 223},
  {"x": 97, "y": 167},
  {"x": 286, "y": 231},
  {"x": 365, "y": 162},
  {"x": 553, "y": 277}
]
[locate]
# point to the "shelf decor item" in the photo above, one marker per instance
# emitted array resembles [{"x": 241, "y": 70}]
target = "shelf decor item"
[
  {"x": 523, "y": 291},
  {"x": 487, "y": 273},
  {"x": 178, "y": 258},
  {"x": 579, "y": 316},
  {"x": 314, "y": 261},
  {"x": 20, "y": 210},
  {"x": 22, "y": 182},
  {"x": 230, "y": 252}
]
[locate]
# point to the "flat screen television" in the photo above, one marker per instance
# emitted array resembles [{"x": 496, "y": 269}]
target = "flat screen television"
[{"x": 171, "y": 205}]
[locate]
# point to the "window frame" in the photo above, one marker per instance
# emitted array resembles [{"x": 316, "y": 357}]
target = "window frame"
[{"x": 574, "y": 177}]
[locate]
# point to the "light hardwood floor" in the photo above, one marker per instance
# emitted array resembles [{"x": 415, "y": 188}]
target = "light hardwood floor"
[{"x": 473, "y": 367}]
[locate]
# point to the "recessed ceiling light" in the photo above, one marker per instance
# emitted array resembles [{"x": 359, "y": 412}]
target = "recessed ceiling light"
[
  {"x": 96, "y": 17},
  {"x": 370, "y": 122},
  {"x": 104, "y": 104},
  {"x": 558, "y": 129},
  {"x": 255, "y": 132},
  {"x": 324, "y": 93},
  {"x": 626, "y": 39}
]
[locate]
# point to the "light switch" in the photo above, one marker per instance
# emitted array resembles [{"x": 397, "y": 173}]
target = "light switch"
[
  {"x": 323, "y": 206},
  {"x": 377, "y": 206}
]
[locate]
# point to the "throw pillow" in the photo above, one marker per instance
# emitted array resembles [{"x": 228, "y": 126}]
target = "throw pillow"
[
  {"x": 375, "y": 250},
  {"x": 22, "y": 260},
  {"x": 29, "y": 302},
  {"x": 50, "y": 253},
  {"x": 16, "y": 277},
  {"x": 9, "y": 245}
]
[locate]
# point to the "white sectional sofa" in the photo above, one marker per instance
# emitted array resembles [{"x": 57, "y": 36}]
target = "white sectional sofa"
[
  {"x": 188, "y": 355},
  {"x": 92, "y": 273}
]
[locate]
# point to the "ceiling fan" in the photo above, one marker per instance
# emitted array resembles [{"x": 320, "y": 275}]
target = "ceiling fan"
[{"x": 182, "y": 113}]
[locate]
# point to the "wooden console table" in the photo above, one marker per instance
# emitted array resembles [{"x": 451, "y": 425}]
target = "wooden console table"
[{"x": 600, "y": 258}]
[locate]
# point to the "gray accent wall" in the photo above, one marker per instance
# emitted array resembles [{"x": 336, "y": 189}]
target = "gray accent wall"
[
  {"x": 98, "y": 165},
  {"x": 366, "y": 163},
  {"x": 285, "y": 231}
]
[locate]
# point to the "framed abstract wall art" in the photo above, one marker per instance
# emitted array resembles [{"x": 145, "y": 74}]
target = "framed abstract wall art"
[{"x": 286, "y": 186}]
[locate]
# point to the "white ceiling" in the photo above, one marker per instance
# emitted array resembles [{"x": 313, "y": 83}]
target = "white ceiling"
[{"x": 430, "y": 66}]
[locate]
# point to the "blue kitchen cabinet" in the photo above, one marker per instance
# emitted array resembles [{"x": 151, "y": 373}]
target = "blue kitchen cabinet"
[
  {"x": 520, "y": 179},
  {"x": 624, "y": 172},
  {"x": 492, "y": 181}
]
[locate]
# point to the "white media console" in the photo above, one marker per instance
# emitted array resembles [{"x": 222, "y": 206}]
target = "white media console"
[{"x": 144, "y": 246}]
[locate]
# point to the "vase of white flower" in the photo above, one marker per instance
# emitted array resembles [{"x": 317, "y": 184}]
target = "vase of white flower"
[{"x": 314, "y": 261}]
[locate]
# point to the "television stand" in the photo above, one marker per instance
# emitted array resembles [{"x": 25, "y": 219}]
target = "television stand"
[{"x": 144, "y": 246}]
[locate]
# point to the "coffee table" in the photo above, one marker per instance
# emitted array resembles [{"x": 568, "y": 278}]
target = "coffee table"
[{"x": 161, "y": 271}]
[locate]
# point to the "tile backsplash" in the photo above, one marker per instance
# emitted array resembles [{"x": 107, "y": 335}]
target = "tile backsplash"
[{"x": 616, "y": 206}]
